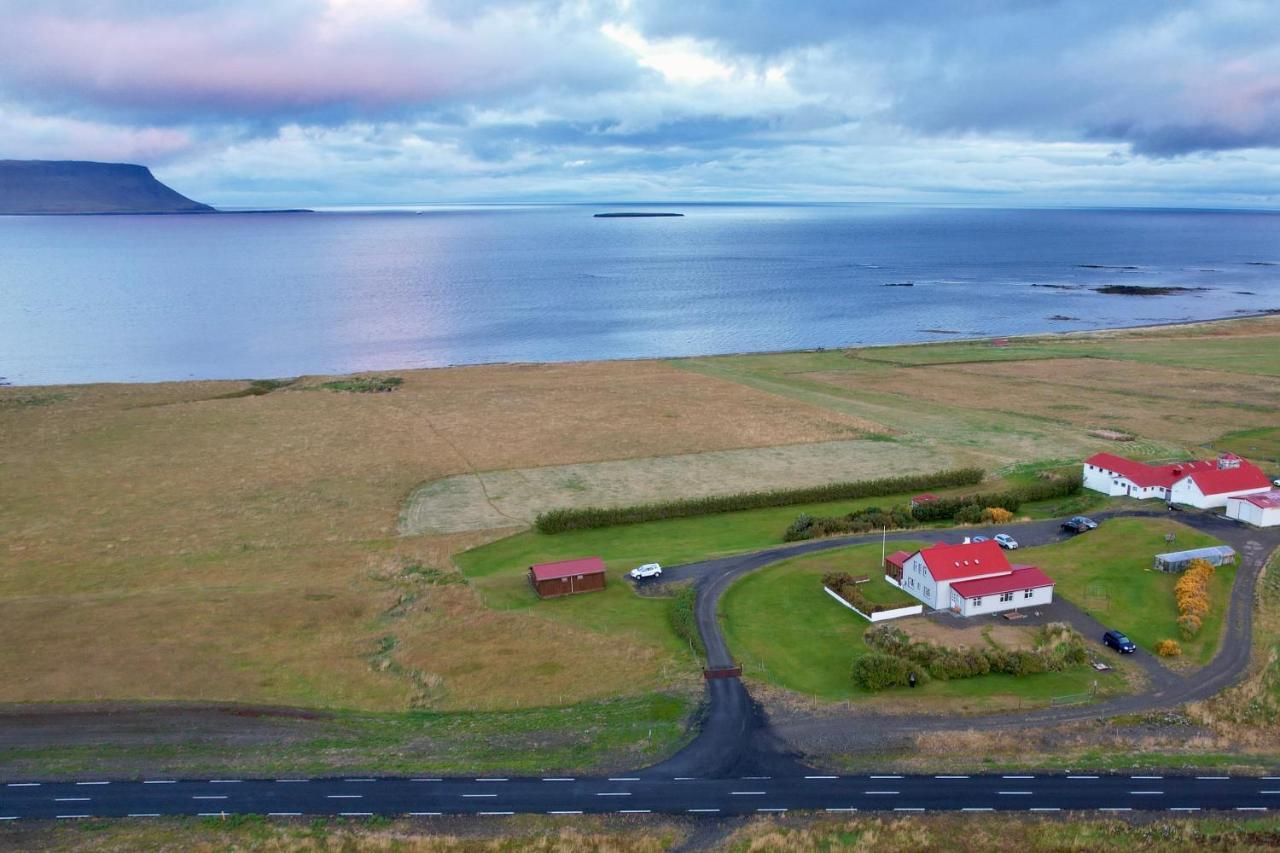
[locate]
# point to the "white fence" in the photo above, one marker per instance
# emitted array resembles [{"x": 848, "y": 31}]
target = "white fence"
[{"x": 881, "y": 616}]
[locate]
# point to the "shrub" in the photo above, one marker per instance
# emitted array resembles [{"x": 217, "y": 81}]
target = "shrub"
[
  {"x": 560, "y": 520},
  {"x": 366, "y": 384},
  {"x": 860, "y": 521},
  {"x": 843, "y": 585},
  {"x": 1192, "y": 595},
  {"x": 1168, "y": 648},
  {"x": 878, "y": 671},
  {"x": 684, "y": 620},
  {"x": 996, "y": 515},
  {"x": 1010, "y": 500},
  {"x": 1059, "y": 648},
  {"x": 969, "y": 514}
]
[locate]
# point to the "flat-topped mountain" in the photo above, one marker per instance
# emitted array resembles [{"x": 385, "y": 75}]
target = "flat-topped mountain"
[{"x": 76, "y": 186}]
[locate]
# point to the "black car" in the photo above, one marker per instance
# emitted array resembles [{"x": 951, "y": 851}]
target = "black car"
[
  {"x": 1119, "y": 642},
  {"x": 1079, "y": 524}
]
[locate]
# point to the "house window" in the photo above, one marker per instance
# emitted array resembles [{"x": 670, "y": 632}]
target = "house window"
[
  {"x": 1006, "y": 596},
  {"x": 1028, "y": 593},
  {"x": 977, "y": 602}
]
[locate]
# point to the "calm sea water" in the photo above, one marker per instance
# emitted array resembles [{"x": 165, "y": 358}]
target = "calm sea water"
[{"x": 107, "y": 298}]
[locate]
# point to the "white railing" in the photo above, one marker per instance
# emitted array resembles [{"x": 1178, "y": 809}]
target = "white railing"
[{"x": 880, "y": 615}]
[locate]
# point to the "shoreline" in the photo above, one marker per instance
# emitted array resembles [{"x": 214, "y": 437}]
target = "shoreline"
[{"x": 4, "y": 383}]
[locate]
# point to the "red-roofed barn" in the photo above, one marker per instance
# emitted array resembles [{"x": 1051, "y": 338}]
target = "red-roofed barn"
[
  {"x": 972, "y": 578},
  {"x": 1200, "y": 483},
  {"x": 567, "y": 577}
]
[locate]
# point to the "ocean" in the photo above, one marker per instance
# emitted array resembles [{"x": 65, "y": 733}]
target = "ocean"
[{"x": 147, "y": 298}]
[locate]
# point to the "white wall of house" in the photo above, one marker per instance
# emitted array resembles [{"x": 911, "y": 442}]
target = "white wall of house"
[
  {"x": 1253, "y": 514},
  {"x": 1113, "y": 484},
  {"x": 1001, "y": 601},
  {"x": 917, "y": 581},
  {"x": 1185, "y": 491}
]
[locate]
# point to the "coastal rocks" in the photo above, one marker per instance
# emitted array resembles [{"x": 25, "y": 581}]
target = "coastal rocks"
[{"x": 1139, "y": 290}]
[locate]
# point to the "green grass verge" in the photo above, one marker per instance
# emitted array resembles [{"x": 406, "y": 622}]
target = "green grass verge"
[
  {"x": 1108, "y": 573},
  {"x": 609, "y": 734},
  {"x": 786, "y": 631}
]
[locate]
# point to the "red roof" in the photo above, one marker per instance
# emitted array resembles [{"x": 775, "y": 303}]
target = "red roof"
[
  {"x": 567, "y": 568},
  {"x": 898, "y": 558},
  {"x": 957, "y": 562},
  {"x": 925, "y": 498},
  {"x": 1217, "y": 481},
  {"x": 1266, "y": 500},
  {"x": 1210, "y": 479},
  {"x": 1028, "y": 577}
]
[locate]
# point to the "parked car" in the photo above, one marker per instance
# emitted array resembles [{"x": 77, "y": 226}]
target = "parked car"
[
  {"x": 1079, "y": 524},
  {"x": 646, "y": 572},
  {"x": 1276, "y": 482},
  {"x": 1119, "y": 642},
  {"x": 1004, "y": 540},
  {"x": 976, "y": 539}
]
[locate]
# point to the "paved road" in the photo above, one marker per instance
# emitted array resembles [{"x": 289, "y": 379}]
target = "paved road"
[
  {"x": 737, "y": 764},
  {"x": 635, "y": 794}
]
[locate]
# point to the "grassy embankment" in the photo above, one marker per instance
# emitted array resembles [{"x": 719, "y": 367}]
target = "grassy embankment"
[
  {"x": 794, "y": 833},
  {"x": 786, "y": 631}
]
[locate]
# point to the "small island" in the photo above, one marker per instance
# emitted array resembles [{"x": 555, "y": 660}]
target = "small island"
[{"x": 633, "y": 214}]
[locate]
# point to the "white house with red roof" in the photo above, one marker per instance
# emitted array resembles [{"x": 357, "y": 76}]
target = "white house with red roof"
[
  {"x": 1200, "y": 483},
  {"x": 972, "y": 578},
  {"x": 1261, "y": 509}
]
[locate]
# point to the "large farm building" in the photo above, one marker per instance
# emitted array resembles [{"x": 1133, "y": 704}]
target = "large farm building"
[{"x": 1203, "y": 484}]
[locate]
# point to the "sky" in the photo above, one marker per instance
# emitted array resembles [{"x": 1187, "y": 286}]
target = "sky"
[{"x": 990, "y": 102}]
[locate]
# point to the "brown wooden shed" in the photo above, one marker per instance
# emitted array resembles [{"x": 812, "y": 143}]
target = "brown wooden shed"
[{"x": 567, "y": 577}]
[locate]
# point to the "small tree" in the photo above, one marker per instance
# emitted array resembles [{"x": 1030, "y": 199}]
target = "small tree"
[
  {"x": 1168, "y": 648},
  {"x": 997, "y": 515}
]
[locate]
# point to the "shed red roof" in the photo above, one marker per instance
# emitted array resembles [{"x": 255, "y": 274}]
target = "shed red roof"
[
  {"x": 898, "y": 557},
  {"x": 1266, "y": 500},
  {"x": 957, "y": 562},
  {"x": 925, "y": 498},
  {"x": 1028, "y": 577},
  {"x": 567, "y": 568}
]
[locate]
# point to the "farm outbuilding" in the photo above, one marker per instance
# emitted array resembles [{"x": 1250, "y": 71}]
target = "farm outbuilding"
[
  {"x": 1177, "y": 561},
  {"x": 1260, "y": 510},
  {"x": 567, "y": 577}
]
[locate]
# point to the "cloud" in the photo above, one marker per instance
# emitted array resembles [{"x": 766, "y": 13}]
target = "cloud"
[
  {"x": 287, "y": 102},
  {"x": 320, "y": 62}
]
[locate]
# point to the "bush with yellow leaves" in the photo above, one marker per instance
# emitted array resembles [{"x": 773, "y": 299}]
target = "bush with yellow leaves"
[
  {"x": 1168, "y": 648},
  {"x": 1192, "y": 594}
]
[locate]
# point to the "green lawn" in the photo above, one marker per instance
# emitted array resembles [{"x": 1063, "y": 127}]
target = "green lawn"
[
  {"x": 785, "y": 630},
  {"x": 1108, "y": 573},
  {"x": 1259, "y": 445}
]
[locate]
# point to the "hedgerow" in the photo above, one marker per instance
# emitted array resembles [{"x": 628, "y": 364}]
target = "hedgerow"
[
  {"x": 1059, "y": 648},
  {"x": 970, "y": 509},
  {"x": 844, "y": 585},
  {"x": 684, "y": 620},
  {"x": 877, "y": 671},
  {"x": 561, "y": 520},
  {"x": 860, "y": 521}
]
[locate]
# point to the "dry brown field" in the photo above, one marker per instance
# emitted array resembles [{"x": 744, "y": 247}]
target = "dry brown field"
[{"x": 166, "y": 542}]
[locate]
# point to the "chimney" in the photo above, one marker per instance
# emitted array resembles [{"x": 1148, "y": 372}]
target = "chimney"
[
  {"x": 1228, "y": 461},
  {"x": 966, "y": 541}
]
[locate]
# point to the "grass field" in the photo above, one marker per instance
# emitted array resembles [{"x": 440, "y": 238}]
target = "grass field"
[
  {"x": 1108, "y": 573},
  {"x": 786, "y": 631},
  {"x": 608, "y": 735},
  {"x": 193, "y": 541}
]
